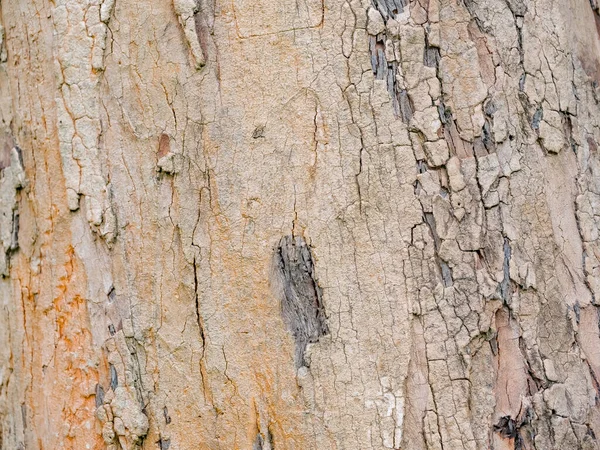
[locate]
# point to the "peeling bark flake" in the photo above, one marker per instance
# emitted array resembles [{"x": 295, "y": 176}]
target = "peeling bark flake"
[
  {"x": 114, "y": 380},
  {"x": 537, "y": 118},
  {"x": 431, "y": 57},
  {"x": 99, "y": 395},
  {"x": 405, "y": 106},
  {"x": 445, "y": 270},
  {"x": 389, "y": 9}
]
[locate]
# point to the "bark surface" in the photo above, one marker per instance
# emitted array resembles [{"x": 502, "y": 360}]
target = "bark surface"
[{"x": 316, "y": 224}]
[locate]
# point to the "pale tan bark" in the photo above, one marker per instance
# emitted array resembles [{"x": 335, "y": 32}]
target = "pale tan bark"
[{"x": 299, "y": 225}]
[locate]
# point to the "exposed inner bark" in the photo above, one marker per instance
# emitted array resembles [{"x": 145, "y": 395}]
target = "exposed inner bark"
[{"x": 301, "y": 305}]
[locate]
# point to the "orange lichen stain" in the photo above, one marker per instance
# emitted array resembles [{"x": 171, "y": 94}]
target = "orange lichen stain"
[
  {"x": 285, "y": 415},
  {"x": 253, "y": 427},
  {"x": 277, "y": 390},
  {"x": 76, "y": 375}
]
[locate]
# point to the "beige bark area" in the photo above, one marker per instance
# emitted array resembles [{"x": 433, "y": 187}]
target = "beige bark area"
[{"x": 436, "y": 162}]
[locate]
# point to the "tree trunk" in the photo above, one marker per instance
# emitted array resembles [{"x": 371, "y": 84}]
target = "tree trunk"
[{"x": 317, "y": 224}]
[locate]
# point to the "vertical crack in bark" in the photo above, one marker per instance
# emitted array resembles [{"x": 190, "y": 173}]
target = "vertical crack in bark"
[
  {"x": 14, "y": 239},
  {"x": 405, "y": 106},
  {"x": 445, "y": 270},
  {"x": 133, "y": 345},
  {"x": 263, "y": 442},
  {"x": 431, "y": 55},
  {"x": 388, "y": 70},
  {"x": 164, "y": 443},
  {"x": 488, "y": 138},
  {"x": 203, "y": 372},
  {"x": 197, "y": 309},
  {"x": 505, "y": 284}
]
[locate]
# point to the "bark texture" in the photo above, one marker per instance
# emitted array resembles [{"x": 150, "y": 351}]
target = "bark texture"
[{"x": 315, "y": 224}]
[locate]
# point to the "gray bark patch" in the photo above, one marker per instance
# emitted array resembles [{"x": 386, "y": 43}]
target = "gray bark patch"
[
  {"x": 389, "y": 9},
  {"x": 301, "y": 303},
  {"x": 431, "y": 56},
  {"x": 99, "y": 396},
  {"x": 262, "y": 443},
  {"x": 114, "y": 379},
  {"x": 507, "y": 427},
  {"x": 445, "y": 270},
  {"x": 387, "y": 70},
  {"x": 537, "y": 118}
]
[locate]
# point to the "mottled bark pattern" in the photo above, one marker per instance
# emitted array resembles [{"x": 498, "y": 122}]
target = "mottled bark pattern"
[{"x": 326, "y": 224}]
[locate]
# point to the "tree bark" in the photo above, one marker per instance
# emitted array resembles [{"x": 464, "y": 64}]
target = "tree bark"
[{"x": 317, "y": 224}]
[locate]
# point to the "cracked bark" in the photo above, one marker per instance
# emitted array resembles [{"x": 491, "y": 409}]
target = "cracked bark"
[{"x": 346, "y": 224}]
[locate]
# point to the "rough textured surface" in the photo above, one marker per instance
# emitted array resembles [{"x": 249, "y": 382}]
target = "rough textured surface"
[{"x": 299, "y": 225}]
